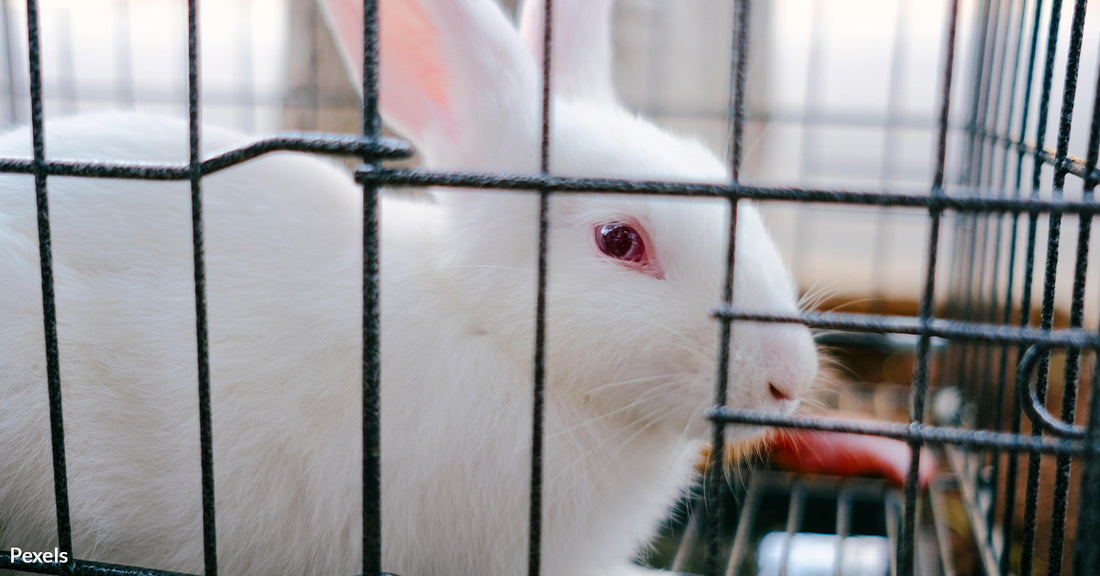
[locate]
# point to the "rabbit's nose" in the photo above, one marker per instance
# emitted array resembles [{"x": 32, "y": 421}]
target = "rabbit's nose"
[{"x": 790, "y": 362}]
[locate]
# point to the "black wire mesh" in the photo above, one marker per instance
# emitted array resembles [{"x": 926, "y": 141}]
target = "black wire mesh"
[
  {"x": 994, "y": 342},
  {"x": 993, "y": 482}
]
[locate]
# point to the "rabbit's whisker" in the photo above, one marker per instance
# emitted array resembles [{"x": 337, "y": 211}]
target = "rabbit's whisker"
[
  {"x": 599, "y": 447},
  {"x": 682, "y": 341},
  {"x": 639, "y": 380},
  {"x": 642, "y": 398}
]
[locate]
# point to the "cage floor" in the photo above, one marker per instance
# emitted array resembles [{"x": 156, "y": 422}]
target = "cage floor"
[{"x": 799, "y": 525}]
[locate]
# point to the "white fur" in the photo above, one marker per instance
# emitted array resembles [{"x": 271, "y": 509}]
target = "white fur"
[
  {"x": 631, "y": 357},
  {"x": 581, "y": 60}
]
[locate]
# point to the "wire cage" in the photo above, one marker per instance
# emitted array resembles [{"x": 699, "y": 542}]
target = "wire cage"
[{"x": 991, "y": 329}]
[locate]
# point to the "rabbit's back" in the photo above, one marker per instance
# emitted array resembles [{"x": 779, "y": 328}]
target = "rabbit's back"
[
  {"x": 281, "y": 236},
  {"x": 283, "y": 274}
]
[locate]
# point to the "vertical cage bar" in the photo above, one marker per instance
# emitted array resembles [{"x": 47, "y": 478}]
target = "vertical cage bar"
[
  {"x": 1012, "y": 473},
  {"x": 1010, "y": 272},
  {"x": 810, "y": 95},
  {"x": 1086, "y": 557},
  {"x": 1094, "y": 138},
  {"x": 206, "y": 442},
  {"x": 843, "y": 527},
  {"x": 1046, "y": 320},
  {"x": 1069, "y": 383},
  {"x": 245, "y": 96},
  {"x": 689, "y": 539},
  {"x": 796, "y": 509},
  {"x": 9, "y": 60},
  {"x": 812, "y": 114},
  {"x": 309, "y": 93},
  {"x": 979, "y": 234},
  {"x": 972, "y": 128},
  {"x": 984, "y": 88},
  {"x": 890, "y": 516},
  {"x": 372, "y": 361},
  {"x": 657, "y": 47},
  {"x": 990, "y": 226},
  {"x": 906, "y": 550},
  {"x": 738, "y": 78},
  {"x": 992, "y": 391},
  {"x": 1001, "y": 59},
  {"x": 124, "y": 77},
  {"x": 66, "y": 82},
  {"x": 941, "y": 528},
  {"x": 712, "y": 563},
  {"x": 45, "y": 262},
  {"x": 1069, "y": 400},
  {"x": 1033, "y": 217},
  {"x": 810, "y": 119},
  {"x": 880, "y": 248},
  {"x": 745, "y": 525},
  {"x": 893, "y": 119},
  {"x": 961, "y": 269},
  {"x": 534, "y": 545}
]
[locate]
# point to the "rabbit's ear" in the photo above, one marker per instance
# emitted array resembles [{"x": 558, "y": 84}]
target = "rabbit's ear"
[
  {"x": 455, "y": 77},
  {"x": 581, "y": 43}
]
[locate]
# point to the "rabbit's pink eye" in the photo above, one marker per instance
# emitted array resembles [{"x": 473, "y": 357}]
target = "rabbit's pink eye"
[{"x": 620, "y": 241}]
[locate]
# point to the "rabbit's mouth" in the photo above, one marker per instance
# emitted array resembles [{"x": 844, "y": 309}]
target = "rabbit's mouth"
[
  {"x": 745, "y": 438},
  {"x": 734, "y": 434},
  {"x": 735, "y": 451},
  {"x": 737, "y": 434}
]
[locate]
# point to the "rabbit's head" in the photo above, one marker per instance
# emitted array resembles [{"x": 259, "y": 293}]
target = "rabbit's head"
[{"x": 632, "y": 279}]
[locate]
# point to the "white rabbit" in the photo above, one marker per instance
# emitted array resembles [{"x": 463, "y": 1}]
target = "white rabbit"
[{"x": 631, "y": 346}]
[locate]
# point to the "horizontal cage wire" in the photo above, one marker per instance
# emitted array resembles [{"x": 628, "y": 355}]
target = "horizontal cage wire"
[{"x": 935, "y": 161}]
